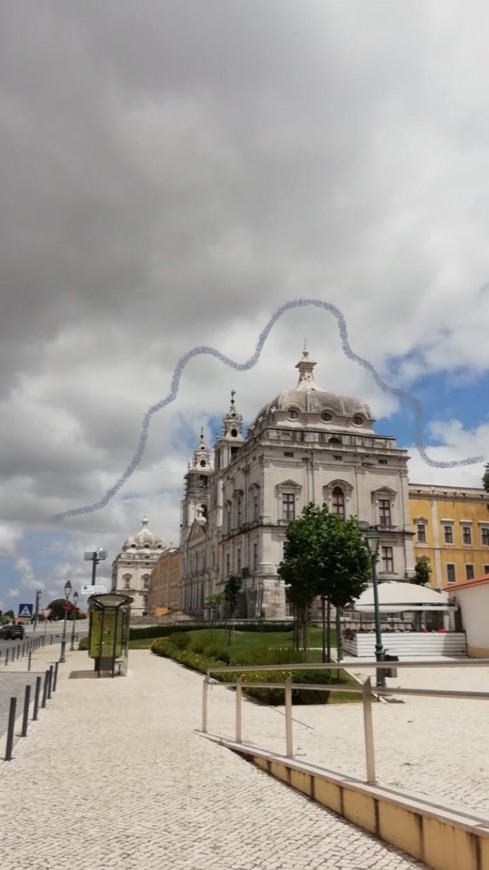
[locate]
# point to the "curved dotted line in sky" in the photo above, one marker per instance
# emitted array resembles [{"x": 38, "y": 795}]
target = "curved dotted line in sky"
[{"x": 248, "y": 364}]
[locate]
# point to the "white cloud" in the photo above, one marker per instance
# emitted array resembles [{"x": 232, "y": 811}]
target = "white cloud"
[
  {"x": 456, "y": 442},
  {"x": 10, "y": 536},
  {"x": 194, "y": 172}
]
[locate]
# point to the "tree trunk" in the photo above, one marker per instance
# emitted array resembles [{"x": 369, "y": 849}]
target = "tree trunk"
[
  {"x": 328, "y": 630},
  {"x": 339, "y": 640},
  {"x": 304, "y": 629},
  {"x": 323, "y": 629},
  {"x": 296, "y": 637}
]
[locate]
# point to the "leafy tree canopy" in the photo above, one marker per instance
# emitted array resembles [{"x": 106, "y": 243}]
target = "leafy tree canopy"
[
  {"x": 58, "y": 607},
  {"x": 422, "y": 571},
  {"x": 485, "y": 479},
  {"x": 324, "y": 555}
]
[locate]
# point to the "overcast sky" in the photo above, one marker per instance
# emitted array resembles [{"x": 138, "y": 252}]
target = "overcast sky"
[{"x": 173, "y": 171}]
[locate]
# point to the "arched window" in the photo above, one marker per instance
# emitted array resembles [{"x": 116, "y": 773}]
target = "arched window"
[{"x": 338, "y": 501}]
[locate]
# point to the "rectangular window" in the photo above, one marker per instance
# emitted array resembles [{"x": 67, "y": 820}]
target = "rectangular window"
[
  {"x": 421, "y": 533},
  {"x": 387, "y": 560},
  {"x": 288, "y": 506},
  {"x": 239, "y": 513},
  {"x": 384, "y": 512},
  {"x": 466, "y": 534},
  {"x": 382, "y": 461},
  {"x": 255, "y": 557},
  {"x": 485, "y": 537},
  {"x": 469, "y": 572},
  {"x": 486, "y": 569},
  {"x": 451, "y": 575},
  {"x": 448, "y": 535},
  {"x": 255, "y": 505},
  {"x": 228, "y": 564},
  {"x": 238, "y": 561}
]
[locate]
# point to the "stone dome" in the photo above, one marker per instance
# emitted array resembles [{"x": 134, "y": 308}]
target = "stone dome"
[
  {"x": 310, "y": 404},
  {"x": 144, "y": 539}
]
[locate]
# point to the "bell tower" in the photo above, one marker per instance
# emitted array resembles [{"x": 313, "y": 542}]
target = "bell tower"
[
  {"x": 232, "y": 436},
  {"x": 197, "y": 492}
]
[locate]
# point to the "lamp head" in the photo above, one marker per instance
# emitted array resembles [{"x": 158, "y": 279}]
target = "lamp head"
[
  {"x": 67, "y": 589},
  {"x": 372, "y": 538}
]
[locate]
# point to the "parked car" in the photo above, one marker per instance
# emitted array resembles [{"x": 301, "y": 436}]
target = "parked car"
[{"x": 12, "y": 631}]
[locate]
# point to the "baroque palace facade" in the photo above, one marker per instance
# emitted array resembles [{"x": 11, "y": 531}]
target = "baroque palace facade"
[{"x": 305, "y": 445}]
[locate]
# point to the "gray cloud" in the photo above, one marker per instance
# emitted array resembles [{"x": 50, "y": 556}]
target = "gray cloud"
[{"x": 173, "y": 171}]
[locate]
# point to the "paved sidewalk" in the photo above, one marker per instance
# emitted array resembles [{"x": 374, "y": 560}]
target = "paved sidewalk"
[{"x": 114, "y": 775}]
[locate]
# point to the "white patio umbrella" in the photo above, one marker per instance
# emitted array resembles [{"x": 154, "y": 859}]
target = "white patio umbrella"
[{"x": 397, "y": 597}]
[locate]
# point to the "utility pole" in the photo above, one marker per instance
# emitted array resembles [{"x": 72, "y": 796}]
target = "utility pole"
[{"x": 36, "y": 608}]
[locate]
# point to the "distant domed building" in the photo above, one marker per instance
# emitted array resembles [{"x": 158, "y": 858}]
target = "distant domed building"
[
  {"x": 306, "y": 445},
  {"x": 131, "y": 569}
]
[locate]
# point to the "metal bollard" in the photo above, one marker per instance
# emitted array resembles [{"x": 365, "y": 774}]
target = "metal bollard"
[
  {"x": 50, "y": 681},
  {"x": 289, "y": 739},
  {"x": 29, "y": 660},
  {"x": 45, "y": 689},
  {"x": 25, "y": 717},
  {"x": 10, "y": 729},
  {"x": 55, "y": 676},
  {"x": 37, "y": 694},
  {"x": 18, "y": 652},
  {"x": 6, "y": 656}
]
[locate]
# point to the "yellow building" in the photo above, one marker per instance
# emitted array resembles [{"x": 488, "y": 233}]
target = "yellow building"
[
  {"x": 164, "y": 586},
  {"x": 451, "y": 528}
]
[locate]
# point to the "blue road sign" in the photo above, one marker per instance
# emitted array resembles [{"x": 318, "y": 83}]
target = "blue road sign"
[{"x": 26, "y": 611}]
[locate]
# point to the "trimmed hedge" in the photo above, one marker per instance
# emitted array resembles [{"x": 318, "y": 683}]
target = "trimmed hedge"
[
  {"x": 200, "y": 656},
  {"x": 149, "y": 631}
]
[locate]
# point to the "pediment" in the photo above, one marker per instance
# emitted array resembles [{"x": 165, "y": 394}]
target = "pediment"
[{"x": 288, "y": 484}]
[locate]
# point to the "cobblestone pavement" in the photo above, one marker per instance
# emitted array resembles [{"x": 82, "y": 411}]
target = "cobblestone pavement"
[{"x": 115, "y": 775}]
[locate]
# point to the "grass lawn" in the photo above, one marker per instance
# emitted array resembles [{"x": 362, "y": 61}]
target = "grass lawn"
[{"x": 141, "y": 643}]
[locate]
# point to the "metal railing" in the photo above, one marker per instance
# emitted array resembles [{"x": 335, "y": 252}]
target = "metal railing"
[{"x": 364, "y": 689}]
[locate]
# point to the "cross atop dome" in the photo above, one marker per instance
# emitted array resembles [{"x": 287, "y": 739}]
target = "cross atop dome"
[{"x": 306, "y": 372}]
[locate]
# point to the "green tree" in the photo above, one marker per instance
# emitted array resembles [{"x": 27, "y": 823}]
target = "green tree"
[
  {"x": 58, "y": 606},
  {"x": 485, "y": 479},
  {"x": 213, "y": 603},
  {"x": 232, "y": 591},
  {"x": 422, "y": 571},
  {"x": 324, "y": 555}
]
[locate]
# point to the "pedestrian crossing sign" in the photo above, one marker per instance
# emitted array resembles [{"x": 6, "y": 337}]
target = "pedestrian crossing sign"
[{"x": 26, "y": 611}]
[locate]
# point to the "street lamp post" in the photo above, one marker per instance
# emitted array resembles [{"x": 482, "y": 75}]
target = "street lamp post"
[
  {"x": 73, "y": 613},
  {"x": 373, "y": 538},
  {"x": 62, "y": 657},
  {"x": 95, "y": 556}
]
